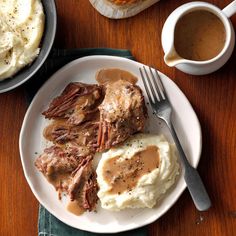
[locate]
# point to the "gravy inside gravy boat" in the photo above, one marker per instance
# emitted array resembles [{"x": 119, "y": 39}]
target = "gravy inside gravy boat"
[{"x": 198, "y": 38}]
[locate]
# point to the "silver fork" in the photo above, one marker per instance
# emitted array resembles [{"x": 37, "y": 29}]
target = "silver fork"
[{"x": 162, "y": 108}]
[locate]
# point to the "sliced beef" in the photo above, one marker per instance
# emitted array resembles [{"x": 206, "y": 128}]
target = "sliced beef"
[
  {"x": 58, "y": 162},
  {"x": 90, "y": 191},
  {"x": 77, "y": 103},
  {"x": 69, "y": 169},
  {"x": 84, "y": 187},
  {"x": 60, "y": 132},
  {"x": 122, "y": 113},
  {"x": 55, "y": 160},
  {"x": 84, "y": 122}
]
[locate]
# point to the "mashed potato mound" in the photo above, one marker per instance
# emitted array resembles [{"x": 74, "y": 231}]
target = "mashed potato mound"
[{"x": 150, "y": 186}]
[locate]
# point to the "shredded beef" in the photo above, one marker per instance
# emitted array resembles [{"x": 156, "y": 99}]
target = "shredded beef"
[
  {"x": 122, "y": 113},
  {"x": 77, "y": 103}
]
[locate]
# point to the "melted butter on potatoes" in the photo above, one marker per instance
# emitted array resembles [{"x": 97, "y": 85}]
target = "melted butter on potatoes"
[{"x": 137, "y": 173}]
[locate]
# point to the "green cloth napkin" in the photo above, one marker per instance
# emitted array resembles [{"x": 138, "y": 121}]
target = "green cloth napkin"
[{"x": 49, "y": 225}]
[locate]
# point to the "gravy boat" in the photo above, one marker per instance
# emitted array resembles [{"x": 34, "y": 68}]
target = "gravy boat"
[{"x": 171, "y": 57}]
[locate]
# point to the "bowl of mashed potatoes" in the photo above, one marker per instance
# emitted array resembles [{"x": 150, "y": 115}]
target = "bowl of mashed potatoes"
[{"x": 27, "y": 32}]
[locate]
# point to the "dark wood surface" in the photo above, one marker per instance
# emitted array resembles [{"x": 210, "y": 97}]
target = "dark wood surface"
[{"x": 213, "y": 98}]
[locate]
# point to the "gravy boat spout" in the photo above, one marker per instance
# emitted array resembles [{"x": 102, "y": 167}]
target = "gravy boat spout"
[{"x": 172, "y": 58}]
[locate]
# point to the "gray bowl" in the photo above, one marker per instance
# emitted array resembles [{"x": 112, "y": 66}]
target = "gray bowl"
[{"x": 46, "y": 45}]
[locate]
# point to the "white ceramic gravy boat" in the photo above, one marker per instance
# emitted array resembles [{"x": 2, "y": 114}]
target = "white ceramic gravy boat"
[{"x": 198, "y": 67}]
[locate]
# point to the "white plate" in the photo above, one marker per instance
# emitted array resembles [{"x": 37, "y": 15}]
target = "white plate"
[{"x": 32, "y": 143}]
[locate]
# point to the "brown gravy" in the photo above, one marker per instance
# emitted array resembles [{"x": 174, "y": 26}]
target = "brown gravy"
[
  {"x": 60, "y": 182},
  {"x": 124, "y": 175},
  {"x": 48, "y": 130},
  {"x": 75, "y": 208},
  {"x": 199, "y": 35},
  {"x": 105, "y": 76},
  {"x": 57, "y": 179}
]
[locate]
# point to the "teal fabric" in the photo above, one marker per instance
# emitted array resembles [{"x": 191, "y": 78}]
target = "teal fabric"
[{"x": 49, "y": 225}]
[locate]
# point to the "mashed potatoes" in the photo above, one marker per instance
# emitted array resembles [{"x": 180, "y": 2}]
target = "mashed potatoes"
[
  {"x": 129, "y": 179},
  {"x": 21, "y": 29}
]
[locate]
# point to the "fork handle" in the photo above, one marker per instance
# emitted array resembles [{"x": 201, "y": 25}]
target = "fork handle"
[{"x": 192, "y": 178}]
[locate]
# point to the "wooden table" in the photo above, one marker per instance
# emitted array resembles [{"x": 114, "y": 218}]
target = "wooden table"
[{"x": 213, "y": 98}]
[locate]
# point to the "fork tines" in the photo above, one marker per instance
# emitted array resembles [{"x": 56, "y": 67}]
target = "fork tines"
[{"x": 153, "y": 85}]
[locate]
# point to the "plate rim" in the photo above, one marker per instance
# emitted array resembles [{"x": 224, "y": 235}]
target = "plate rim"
[{"x": 27, "y": 176}]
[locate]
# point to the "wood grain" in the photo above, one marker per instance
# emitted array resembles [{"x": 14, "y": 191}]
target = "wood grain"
[{"x": 213, "y": 98}]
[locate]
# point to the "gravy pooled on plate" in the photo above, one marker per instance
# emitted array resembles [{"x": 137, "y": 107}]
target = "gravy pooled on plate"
[
  {"x": 199, "y": 36},
  {"x": 105, "y": 76}
]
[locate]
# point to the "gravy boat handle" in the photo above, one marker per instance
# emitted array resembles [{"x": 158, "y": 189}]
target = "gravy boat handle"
[{"x": 230, "y": 9}]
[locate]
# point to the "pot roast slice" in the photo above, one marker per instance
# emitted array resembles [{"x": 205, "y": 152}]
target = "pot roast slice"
[
  {"x": 77, "y": 103},
  {"x": 69, "y": 169},
  {"x": 58, "y": 162},
  {"x": 122, "y": 113},
  {"x": 85, "y": 134},
  {"x": 84, "y": 187}
]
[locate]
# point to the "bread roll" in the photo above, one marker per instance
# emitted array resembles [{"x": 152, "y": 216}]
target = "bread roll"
[{"x": 118, "y": 9}]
